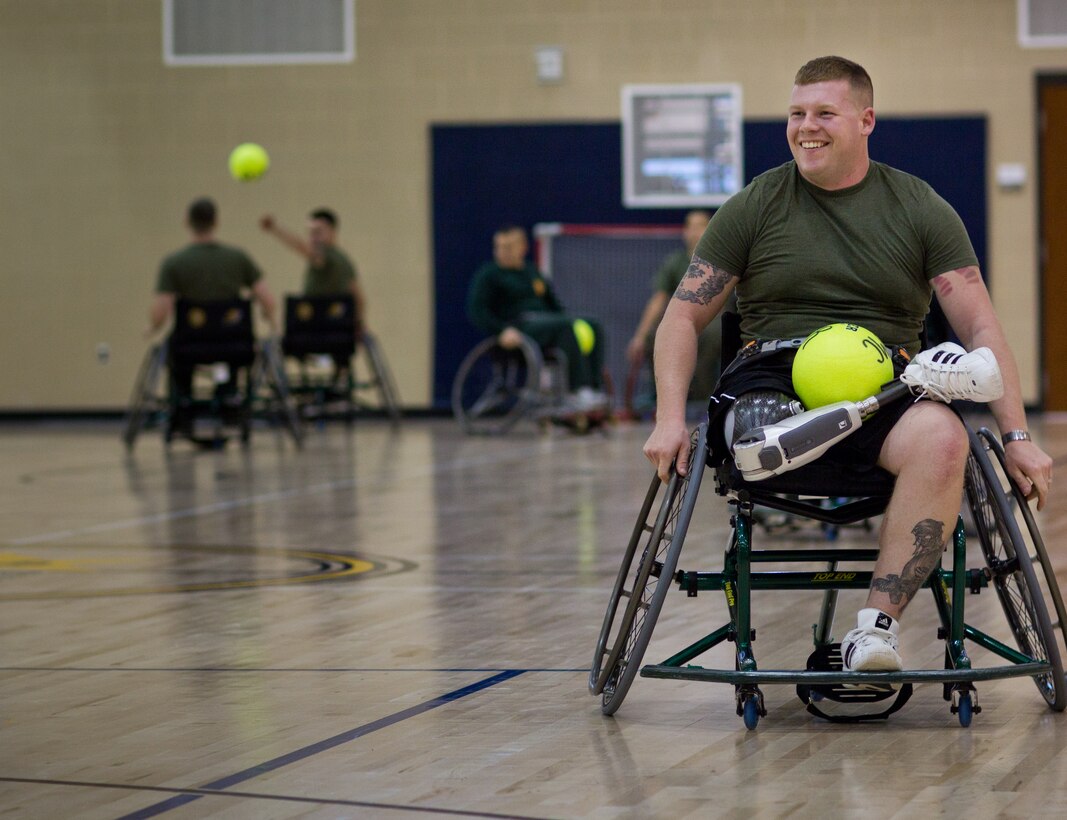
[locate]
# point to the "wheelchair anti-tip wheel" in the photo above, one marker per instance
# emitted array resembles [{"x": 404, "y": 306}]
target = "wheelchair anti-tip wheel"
[
  {"x": 1011, "y": 568},
  {"x": 644, "y": 579},
  {"x": 495, "y": 387}
]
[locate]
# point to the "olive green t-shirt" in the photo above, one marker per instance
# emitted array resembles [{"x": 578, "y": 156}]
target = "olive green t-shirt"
[
  {"x": 499, "y": 296},
  {"x": 207, "y": 271},
  {"x": 807, "y": 257},
  {"x": 334, "y": 277}
]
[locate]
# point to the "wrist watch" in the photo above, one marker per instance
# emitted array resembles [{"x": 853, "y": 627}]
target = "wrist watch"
[{"x": 1015, "y": 435}]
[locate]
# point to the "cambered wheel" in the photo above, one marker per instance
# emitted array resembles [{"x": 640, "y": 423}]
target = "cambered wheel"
[
  {"x": 1035, "y": 543},
  {"x": 273, "y": 371},
  {"x": 144, "y": 398},
  {"x": 644, "y": 578},
  {"x": 1012, "y": 573},
  {"x": 495, "y": 387},
  {"x": 383, "y": 377}
]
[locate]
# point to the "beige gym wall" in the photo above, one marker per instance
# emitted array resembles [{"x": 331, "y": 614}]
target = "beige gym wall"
[{"x": 102, "y": 146}]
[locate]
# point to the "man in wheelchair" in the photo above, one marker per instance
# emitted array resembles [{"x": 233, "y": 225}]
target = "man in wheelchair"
[
  {"x": 509, "y": 297},
  {"x": 204, "y": 271},
  {"x": 824, "y": 239}
]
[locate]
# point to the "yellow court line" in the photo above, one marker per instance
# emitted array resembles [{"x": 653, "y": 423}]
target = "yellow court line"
[{"x": 349, "y": 567}]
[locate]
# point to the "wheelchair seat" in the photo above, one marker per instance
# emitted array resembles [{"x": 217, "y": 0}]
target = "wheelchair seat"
[
  {"x": 208, "y": 332},
  {"x": 320, "y": 325}
]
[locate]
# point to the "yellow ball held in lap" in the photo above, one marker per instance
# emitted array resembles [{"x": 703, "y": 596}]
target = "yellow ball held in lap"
[
  {"x": 586, "y": 336},
  {"x": 840, "y": 362},
  {"x": 248, "y": 161}
]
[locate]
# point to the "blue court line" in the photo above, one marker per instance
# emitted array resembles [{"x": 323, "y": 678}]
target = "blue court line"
[{"x": 322, "y": 745}]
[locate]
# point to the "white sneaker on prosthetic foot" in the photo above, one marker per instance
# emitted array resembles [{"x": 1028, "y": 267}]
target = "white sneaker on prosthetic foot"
[
  {"x": 872, "y": 645},
  {"x": 948, "y": 372}
]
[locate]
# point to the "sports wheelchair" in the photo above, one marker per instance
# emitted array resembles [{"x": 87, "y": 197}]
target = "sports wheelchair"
[
  {"x": 213, "y": 341},
  {"x": 1006, "y": 531},
  {"x": 321, "y": 334},
  {"x": 495, "y": 387}
]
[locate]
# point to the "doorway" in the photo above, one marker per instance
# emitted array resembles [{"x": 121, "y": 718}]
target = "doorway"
[{"x": 1052, "y": 240}]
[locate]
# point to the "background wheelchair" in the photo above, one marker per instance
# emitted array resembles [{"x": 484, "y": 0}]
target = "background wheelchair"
[
  {"x": 1016, "y": 566},
  {"x": 231, "y": 377},
  {"x": 321, "y": 335},
  {"x": 495, "y": 387}
]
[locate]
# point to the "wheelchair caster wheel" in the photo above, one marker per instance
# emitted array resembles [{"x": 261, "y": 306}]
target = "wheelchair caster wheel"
[
  {"x": 750, "y": 706},
  {"x": 750, "y": 712},
  {"x": 965, "y": 711}
]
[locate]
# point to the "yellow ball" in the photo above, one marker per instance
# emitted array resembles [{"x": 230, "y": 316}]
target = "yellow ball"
[
  {"x": 840, "y": 362},
  {"x": 248, "y": 161},
  {"x": 583, "y": 332}
]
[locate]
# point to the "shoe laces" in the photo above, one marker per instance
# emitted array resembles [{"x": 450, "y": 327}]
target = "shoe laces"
[{"x": 948, "y": 372}]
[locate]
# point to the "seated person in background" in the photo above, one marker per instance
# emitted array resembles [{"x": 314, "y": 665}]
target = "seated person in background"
[
  {"x": 508, "y": 296},
  {"x": 204, "y": 270},
  {"x": 329, "y": 272},
  {"x": 668, "y": 277}
]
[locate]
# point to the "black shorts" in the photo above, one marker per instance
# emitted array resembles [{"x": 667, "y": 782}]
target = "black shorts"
[{"x": 759, "y": 368}]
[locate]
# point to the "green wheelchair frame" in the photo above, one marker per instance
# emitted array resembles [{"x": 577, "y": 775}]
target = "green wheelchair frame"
[{"x": 651, "y": 559}]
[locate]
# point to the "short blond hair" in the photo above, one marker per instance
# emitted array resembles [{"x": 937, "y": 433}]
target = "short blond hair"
[{"x": 828, "y": 69}]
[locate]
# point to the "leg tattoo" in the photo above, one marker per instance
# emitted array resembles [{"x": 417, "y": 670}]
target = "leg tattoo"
[{"x": 929, "y": 542}]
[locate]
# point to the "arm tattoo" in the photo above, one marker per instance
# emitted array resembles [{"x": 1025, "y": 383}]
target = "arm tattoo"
[
  {"x": 710, "y": 281},
  {"x": 929, "y": 542},
  {"x": 943, "y": 282}
]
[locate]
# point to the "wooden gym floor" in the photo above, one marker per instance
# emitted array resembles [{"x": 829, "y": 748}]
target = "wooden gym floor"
[{"x": 399, "y": 625}]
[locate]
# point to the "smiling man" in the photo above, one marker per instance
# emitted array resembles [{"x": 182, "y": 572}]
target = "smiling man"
[{"x": 836, "y": 237}]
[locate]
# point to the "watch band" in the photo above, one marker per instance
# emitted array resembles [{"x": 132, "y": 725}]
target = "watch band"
[{"x": 1015, "y": 435}]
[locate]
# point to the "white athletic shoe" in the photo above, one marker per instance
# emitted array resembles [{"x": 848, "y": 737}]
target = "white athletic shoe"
[
  {"x": 872, "y": 645},
  {"x": 587, "y": 399},
  {"x": 948, "y": 372}
]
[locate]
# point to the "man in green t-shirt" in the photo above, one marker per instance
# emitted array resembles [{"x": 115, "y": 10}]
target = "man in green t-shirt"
[
  {"x": 509, "y": 297},
  {"x": 668, "y": 277},
  {"x": 835, "y": 237},
  {"x": 329, "y": 271},
  {"x": 204, "y": 270}
]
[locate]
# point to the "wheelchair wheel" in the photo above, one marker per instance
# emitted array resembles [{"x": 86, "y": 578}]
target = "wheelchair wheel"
[
  {"x": 1038, "y": 554},
  {"x": 1011, "y": 569},
  {"x": 144, "y": 399},
  {"x": 495, "y": 387},
  {"x": 625, "y": 634},
  {"x": 271, "y": 368},
  {"x": 383, "y": 378}
]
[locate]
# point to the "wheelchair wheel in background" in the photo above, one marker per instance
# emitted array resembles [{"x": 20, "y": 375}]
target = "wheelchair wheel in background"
[
  {"x": 644, "y": 579},
  {"x": 1035, "y": 543},
  {"x": 270, "y": 365},
  {"x": 145, "y": 399},
  {"x": 1012, "y": 572},
  {"x": 495, "y": 387},
  {"x": 383, "y": 378}
]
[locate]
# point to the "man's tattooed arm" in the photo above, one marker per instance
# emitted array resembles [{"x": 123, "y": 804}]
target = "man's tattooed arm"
[
  {"x": 945, "y": 283},
  {"x": 929, "y": 542},
  {"x": 702, "y": 282}
]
